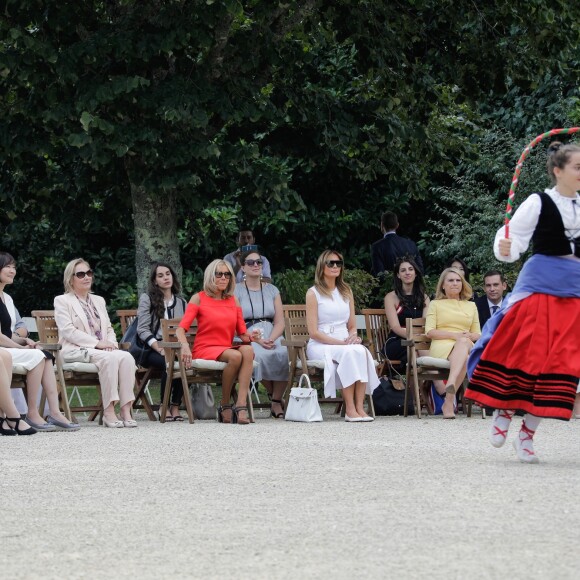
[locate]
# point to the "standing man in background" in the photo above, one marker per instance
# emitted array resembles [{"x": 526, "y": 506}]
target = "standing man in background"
[{"x": 384, "y": 252}]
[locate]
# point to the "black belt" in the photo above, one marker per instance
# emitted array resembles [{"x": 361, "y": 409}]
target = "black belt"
[{"x": 252, "y": 321}]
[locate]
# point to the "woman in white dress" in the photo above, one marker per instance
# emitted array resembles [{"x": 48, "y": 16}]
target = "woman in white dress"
[
  {"x": 348, "y": 365},
  {"x": 25, "y": 353},
  {"x": 9, "y": 414}
]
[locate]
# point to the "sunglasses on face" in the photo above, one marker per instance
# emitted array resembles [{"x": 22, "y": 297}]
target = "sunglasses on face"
[
  {"x": 226, "y": 275},
  {"x": 334, "y": 263},
  {"x": 81, "y": 275},
  {"x": 253, "y": 262}
]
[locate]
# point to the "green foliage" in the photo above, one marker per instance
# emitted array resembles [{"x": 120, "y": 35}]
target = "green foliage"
[
  {"x": 293, "y": 285},
  {"x": 305, "y": 119},
  {"x": 469, "y": 211}
]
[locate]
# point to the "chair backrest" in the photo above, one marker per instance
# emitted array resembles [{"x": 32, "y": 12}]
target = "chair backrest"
[
  {"x": 295, "y": 327},
  {"x": 377, "y": 329},
  {"x": 294, "y": 310},
  {"x": 46, "y": 325},
  {"x": 168, "y": 328},
  {"x": 416, "y": 333},
  {"x": 126, "y": 317}
]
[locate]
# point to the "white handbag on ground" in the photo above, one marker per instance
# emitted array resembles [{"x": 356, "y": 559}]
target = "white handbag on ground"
[{"x": 303, "y": 403}]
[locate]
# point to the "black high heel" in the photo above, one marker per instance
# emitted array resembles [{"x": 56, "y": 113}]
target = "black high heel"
[
  {"x": 241, "y": 420},
  {"x": 29, "y": 431},
  {"x": 3, "y": 430},
  {"x": 221, "y": 410},
  {"x": 277, "y": 415}
]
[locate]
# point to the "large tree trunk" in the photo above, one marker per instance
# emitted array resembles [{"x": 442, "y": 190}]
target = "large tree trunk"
[{"x": 155, "y": 219}]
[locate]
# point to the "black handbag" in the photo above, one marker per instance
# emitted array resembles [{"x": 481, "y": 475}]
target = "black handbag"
[
  {"x": 137, "y": 347},
  {"x": 390, "y": 401}
]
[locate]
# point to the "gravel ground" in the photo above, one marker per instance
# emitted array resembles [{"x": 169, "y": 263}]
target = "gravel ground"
[{"x": 397, "y": 498}]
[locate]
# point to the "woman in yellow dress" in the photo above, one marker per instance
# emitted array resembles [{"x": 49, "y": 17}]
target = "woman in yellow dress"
[{"x": 453, "y": 326}]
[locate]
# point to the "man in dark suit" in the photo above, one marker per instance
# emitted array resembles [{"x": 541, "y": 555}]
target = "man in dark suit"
[
  {"x": 494, "y": 285},
  {"x": 384, "y": 252}
]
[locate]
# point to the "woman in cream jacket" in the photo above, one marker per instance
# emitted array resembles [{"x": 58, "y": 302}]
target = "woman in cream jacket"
[{"x": 83, "y": 322}]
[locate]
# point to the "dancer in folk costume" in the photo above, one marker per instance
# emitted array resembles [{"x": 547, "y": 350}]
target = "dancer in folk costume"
[{"x": 528, "y": 357}]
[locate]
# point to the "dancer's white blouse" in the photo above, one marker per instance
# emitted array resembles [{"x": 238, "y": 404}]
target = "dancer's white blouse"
[{"x": 525, "y": 220}]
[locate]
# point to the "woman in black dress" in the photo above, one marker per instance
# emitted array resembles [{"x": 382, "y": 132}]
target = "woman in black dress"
[{"x": 407, "y": 300}]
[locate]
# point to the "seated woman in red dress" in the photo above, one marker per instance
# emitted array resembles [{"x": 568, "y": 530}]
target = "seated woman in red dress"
[{"x": 219, "y": 319}]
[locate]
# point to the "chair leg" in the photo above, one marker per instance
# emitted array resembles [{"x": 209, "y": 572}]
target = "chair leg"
[
  {"x": 141, "y": 395},
  {"x": 254, "y": 389},
  {"x": 251, "y": 408},
  {"x": 188, "y": 405},
  {"x": 371, "y": 406},
  {"x": 425, "y": 396},
  {"x": 165, "y": 403}
]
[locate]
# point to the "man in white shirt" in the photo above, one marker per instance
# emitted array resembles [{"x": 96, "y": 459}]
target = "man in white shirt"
[{"x": 494, "y": 286}]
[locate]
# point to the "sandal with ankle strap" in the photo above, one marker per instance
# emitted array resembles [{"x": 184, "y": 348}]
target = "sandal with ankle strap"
[
  {"x": 29, "y": 431},
  {"x": 221, "y": 418},
  {"x": 277, "y": 415},
  {"x": 6, "y": 430},
  {"x": 240, "y": 420}
]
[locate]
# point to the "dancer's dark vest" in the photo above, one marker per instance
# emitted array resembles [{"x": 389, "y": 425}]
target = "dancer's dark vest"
[{"x": 550, "y": 235}]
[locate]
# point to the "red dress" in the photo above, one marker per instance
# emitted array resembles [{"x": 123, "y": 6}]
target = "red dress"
[{"x": 217, "y": 323}]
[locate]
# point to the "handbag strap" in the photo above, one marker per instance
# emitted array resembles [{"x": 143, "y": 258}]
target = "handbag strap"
[{"x": 304, "y": 377}]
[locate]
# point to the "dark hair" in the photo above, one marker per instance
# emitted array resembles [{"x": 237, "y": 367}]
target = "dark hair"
[
  {"x": 6, "y": 259},
  {"x": 417, "y": 297},
  {"x": 463, "y": 264},
  {"x": 558, "y": 156},
  {"x": 493, "y": 273},
  {"x": 389, "y": 220},
  {"x": 155, "y": 293},
  {"x": 244, "y": 255}
]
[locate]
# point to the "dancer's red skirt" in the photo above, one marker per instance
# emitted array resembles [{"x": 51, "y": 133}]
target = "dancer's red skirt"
[{"x": 532, "y": 362}]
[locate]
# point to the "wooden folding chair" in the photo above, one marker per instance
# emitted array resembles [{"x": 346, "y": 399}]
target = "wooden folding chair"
[
  {"x": 377, "y": 331},
  {"x": 126, "y": 317},
  {"x": 19, "y": 382},
  {"x": 201, "y": 370},
  {"x": 142, "y": 375},
  {"x": 70, "y": 374},
  {"x": 296, "y": 339},
  {"x": 423, "y": 369},
  {"x": 49, "y": 343}
]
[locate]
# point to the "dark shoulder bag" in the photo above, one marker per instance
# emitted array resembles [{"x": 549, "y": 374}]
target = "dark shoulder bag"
[{"x": 137, "y": 347}]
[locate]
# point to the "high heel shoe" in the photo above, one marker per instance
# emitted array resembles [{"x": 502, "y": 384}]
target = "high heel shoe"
[
  {"x": 6, "y": 430},
  {"x": 225, "y": 419},
  {"x": 277, "y": 415},
  {"x": 29, "y": 431},
  {"x": 240, "y": 419}
]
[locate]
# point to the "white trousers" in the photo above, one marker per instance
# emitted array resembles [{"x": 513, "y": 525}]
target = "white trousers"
[{"x": 116, "y": 374}]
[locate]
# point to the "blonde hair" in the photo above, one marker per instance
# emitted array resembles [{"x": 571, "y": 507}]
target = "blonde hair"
[
  {"x": 69, "y": 273},
  {"x": 319, "y": 281},
  {"x": 466, "y": 289},
  {"x": 209, "y": 280}
]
